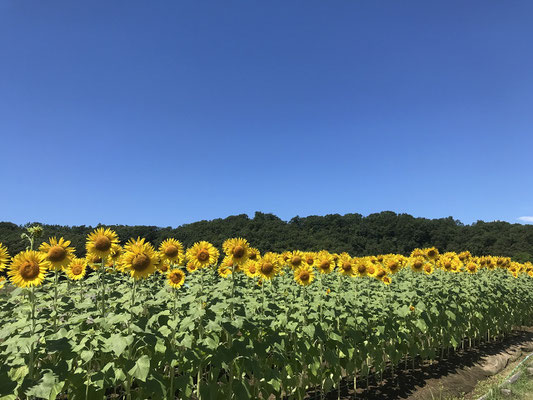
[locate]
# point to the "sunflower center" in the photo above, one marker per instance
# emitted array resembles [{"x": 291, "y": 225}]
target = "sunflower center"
[
  {"x": 140, "y": 262},
  {"x": 393, "y": 266},
  {"x": 77, "y": 270},
  {"x": 310, "y": 261},
  {"x": 164, "y": 267},
  {"x": 447, "y": 265},
  {"x": 29, "y": 270},
  {"x": 252, "y": 269},
  {"x": 304, "y": 276},
  {"x": 324, "y": 265},
  {"x": 381, "y": 274},
  {"x": 418, "y": 264},
  {"x": 346, "y": 266},
  {"x": 432, "y": 253},
  {"x": 253, "y": 256},
  {"x": 238, "y": 251},
  {"x": 171, "y": 251},
  {"x": 371, "y": 270},
  {"x": 57, "y": 253},
  {"x": 361, "y": 269},
  {"x": 175, "y": 278},
  {"x": 203, "y": 255},
  {"x": 102, "y": 243},
  {"x": 296, "y": 261},
  {"x": 267, "y": 268}
]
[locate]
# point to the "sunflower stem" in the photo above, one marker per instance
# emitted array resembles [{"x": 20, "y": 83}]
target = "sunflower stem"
[
  {"x": 129, "y": 380},
  {"x": 56, "y": 280},
  {"x": 102, "y": 282},
  {"x": 32, "y": 355},
  {"x": 173, "y": 345}
]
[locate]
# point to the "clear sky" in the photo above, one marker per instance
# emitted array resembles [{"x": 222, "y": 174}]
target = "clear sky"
[{"x": 169, "y": 112}]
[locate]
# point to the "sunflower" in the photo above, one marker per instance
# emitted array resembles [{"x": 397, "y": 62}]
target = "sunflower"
[
  {"x": 324, "y": 262},
  {"x": 28, "y": 268},
  {"x": 428, "y": 269},
  {"x": 172, "y": 250},
  {"x": 116, "y": 252},
  {"x": 139, "y": 259},
  {"x": 471, "y": 267},
  {"x": 101, "y": 241},
  {"x": 76, "y": 269},
  {"x": 346, "y": 265},
  {"x": 530, "y": 273},
  {"x": 304, "y": 275},
  {"x": 4, "y": 257},
  {"x": 361, "y": 267},
  {"x": 380, "y": 274},
  {"x": 58, "y": 253},
  {"x": 431, "y": 253},
  {"x": 268, "y": 266},
  {"x": 309, "y": 258},
  {"x": 237, "y": 249},
  {"x": 464, "y": 256},
  {"x": 250, "y": 269},
  {"x": 95, "y": 262},
  {"x": 295, "y": 259},
  {"x": 202, "y": 254},
  {"x": 176, "y": 278},
  {"x": 417, "y": 253},
  {"x": 417, "y": 264},
  {"x": 386, "y": 280},
  {"x": 191, "y": 267},
  {"x": 163, "y": 267},
  {"x": 224, "y": 271},
  {"x": 450, "y": 262},
  {"x": 393, "y": 264},
  {"x": 253, "y": 254}
]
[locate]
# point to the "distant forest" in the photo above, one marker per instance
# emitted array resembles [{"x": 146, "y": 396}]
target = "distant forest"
[{"x": 385, "y": 232}]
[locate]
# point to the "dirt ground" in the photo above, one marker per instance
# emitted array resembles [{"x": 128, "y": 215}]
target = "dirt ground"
[{"x": 453, "y": 376}]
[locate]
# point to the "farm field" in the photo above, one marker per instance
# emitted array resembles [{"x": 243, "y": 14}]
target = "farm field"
[{"x": 167, "y": 322}]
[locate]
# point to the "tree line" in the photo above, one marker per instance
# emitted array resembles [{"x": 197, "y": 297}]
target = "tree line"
[{"x": 379, "y": 233}]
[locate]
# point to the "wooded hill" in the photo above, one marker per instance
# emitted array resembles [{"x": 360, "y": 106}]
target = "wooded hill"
[{"x": 385, "y": 232}]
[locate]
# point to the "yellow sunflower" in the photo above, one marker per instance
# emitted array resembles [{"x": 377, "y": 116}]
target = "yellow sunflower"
[
  {"x": 309, "y": 258},
  {"x": 295, "y": 259},
  {"x": 224, "y": 271},
  {"x": 101, "y": 241},
  {"x": 191, "y": 267},
  {"x": 324, "y": 262},
  {"x": 172, "y": 250},
  {"x": 77, "y": 269},
  {"x": 346, "y": 265},
  {"x": 380, "y": 274},
  {"x": 471, "y": 267},
  {"x": 304, "y": 275},
  {"x": 450, "y": 262},
  {"x": 116, "y": 252},
  {"x": 202, "y": 254},
  {"x": 4, "y": 257},
  {"x": 253, "y": 254},
  {"x": 237, "y": 249},
  {"x": 428, "y": 269},
  {"x": 163, "y": 267},
  {"x": 58, "y": 253},
  {"x": 417, "y": 264},
  {"x": 268, "y": 266},
  {"x": 386, "y": 280},
  {"x": 139, "y": 259},
  {"x": 431, "y": 253},
  {"x": 464, "y": 256},
  {"x": 94, "y": 261},
  {"x": 418, "y": 253},
  {"x": 361, "y": 267},
  {"x": 250, "y": 269},
  {"x": 176, "y": 278},
  {"x": 28, "y": 268}
]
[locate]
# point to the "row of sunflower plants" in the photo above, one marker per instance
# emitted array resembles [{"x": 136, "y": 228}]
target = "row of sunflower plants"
[{"x": 137, "y": 322}]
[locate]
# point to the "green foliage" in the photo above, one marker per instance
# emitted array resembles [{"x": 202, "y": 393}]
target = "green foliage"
[{"x": 380, "y": 233}]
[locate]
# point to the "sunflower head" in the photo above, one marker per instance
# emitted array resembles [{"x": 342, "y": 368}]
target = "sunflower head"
[
  {"x": 428, "y": 269},
  {"x": 176, "y": 278},
  {"x": 309, "y": 258},
  {"x": 58, "y": 253},
  {"x": 417, "y": 264},
  {"x": 116, "y": 252},
  {"x": 295, "y": 259},
  {"x": 4, "y": 257},
  {"x": 202, "y": 254},
  {"x": 268, "y": 266},
  {"x": 324, "y": 262},
  {"x": 101, "y": 241},
  {"x": 346, "y": 265},
  {"x": 93, "y": 261},
  {"x": 471, "y": 267},
  {"x": 191, "y": 267},
  {"x": 139, "y": 259},
  {"x": 28, "y": 268},
  {"x": 224, "y": 271},
  {"x": 237, "y": 249},
  {"x": 380, "y": 274},
  {"x": 304, "y": 275},
  {"x": 163, "y": 267},
  {"x": 431, "y": 253},
  {"x": 253, "y": 254},
  {"x": 386, "y": 280},
  {"x": 172, "y": 250},
  {"x": 77, "y": 269},
  {"x": 361, "y": 267}
]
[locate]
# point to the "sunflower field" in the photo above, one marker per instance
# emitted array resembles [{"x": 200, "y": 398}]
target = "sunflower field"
[{"x": 139, "y": 322}]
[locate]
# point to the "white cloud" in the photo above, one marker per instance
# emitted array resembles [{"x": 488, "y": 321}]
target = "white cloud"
[{"x": 526, "y": 219}]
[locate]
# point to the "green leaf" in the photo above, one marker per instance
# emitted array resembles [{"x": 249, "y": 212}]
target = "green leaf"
[
  {"x": 48, "y": 387},
  {"x": 141, "y": 368}
]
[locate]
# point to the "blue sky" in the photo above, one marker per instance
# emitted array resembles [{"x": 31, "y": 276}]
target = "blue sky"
[{"x": 169, "y": 112}]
